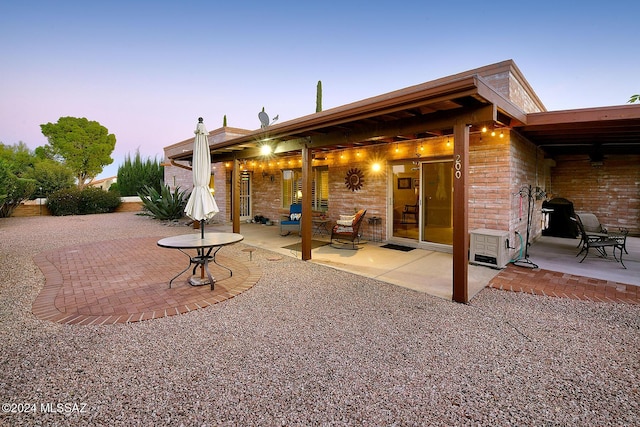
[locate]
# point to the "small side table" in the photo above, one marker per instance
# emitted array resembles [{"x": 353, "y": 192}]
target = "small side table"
[
  {"x": 320, "y": 226},
  {"x": 375, "y": 225}
]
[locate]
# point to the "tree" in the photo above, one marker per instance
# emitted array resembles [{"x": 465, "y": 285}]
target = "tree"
[
  {"x": 224, "y": 121},
  {"x": 634, "y": 98},
  {"x": 319, "y": 96},
  {"x": 84, "y": 146},
  {"x": 19, "y": 159},
  {"x": 135, "y": 175},
  {"x": 50, "y": 176}
]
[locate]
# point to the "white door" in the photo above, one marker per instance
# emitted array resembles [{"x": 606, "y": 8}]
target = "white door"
[{"x": 245, "y": 196}]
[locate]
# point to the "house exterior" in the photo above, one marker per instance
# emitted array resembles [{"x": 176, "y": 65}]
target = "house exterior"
[
  {"x": 431, "y": 163},
  {"x": 104, "y": 183}
]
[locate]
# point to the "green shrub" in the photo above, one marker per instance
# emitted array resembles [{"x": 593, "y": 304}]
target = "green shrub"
[
  {"x": 13, "y": 190},
  {"x": 64, "y": 202},
  {"x": 94, "y": 200},
  {"x": 90, "y": 200},
  {"x": 165, "y": 205}
]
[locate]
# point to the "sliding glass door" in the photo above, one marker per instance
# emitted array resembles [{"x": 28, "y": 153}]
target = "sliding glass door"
[
  {"x": 406, "y": 200},
  {"x": 437, "y": 202},
  {"x": 422, "y": 201}
]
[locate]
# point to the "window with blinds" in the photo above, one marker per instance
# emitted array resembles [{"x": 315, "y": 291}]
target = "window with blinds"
[{"x": 292, "y": 188}]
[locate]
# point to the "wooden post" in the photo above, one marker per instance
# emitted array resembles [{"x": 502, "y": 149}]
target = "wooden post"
[
  {"x": 460, "y": 213},
  {"x": 305, "y": 222},
  {"x": 235, "y": 196}
]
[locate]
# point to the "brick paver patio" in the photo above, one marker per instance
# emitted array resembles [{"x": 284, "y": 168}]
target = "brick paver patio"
[
  {"x": 563, "y": 285},
  {"x": 122, "y": 281}
]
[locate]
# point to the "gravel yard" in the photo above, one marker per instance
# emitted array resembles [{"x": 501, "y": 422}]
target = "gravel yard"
[{"x": 306, "y": 346}]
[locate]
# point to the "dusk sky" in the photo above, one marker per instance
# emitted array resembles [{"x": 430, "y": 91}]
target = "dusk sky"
[{"x": 147, "y": 70}]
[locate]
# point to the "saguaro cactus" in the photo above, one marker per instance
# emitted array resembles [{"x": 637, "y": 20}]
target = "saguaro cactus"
[{"x": 319, "y": 97}]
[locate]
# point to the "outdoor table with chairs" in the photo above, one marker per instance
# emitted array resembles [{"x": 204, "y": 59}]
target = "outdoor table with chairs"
[{"x": 600, "y": 241}]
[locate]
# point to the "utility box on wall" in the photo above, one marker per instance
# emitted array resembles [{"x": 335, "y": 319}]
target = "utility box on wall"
[{"x": 489, "y": 248}]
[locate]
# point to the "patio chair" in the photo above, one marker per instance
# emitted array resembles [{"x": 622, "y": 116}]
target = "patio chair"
[
  {"x": 593, "y": 227},
  {"x": 347, "y": 230},
  {"x": 600, "y": 242},
  {"x": 292, "y": 223},
  {"x": 591, "y": 223}
]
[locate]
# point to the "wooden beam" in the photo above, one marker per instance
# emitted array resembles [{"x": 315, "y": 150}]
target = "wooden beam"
[
  {"x": 305, "y": 221},
  {"x": 235, "y": 196},
  {"x": 460, "y": 212},
  {"x": 436, "y": 121}
]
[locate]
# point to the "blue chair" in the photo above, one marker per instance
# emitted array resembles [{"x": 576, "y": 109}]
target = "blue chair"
[{"x": 292, "y": 223}]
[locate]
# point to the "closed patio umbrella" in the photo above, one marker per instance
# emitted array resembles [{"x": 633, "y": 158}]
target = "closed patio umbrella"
[{"x": 201, "y": 204}]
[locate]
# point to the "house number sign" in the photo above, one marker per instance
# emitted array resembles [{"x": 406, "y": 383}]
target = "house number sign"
[{"x": 457, "y": 165}]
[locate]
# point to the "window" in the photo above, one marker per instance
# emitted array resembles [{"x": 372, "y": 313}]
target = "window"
[{"x": 292, "y": 188}]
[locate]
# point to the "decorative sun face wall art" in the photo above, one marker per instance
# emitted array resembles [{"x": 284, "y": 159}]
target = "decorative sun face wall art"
[{"x": 354, "y": 179}]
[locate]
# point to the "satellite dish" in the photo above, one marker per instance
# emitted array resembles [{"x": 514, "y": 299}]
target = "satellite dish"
[{"x": 264, "y": 119}]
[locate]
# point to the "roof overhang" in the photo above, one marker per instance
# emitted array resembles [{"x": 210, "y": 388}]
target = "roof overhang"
[
  {"x": 590, "y": 131},
  {"x": 421, "y": 111}
]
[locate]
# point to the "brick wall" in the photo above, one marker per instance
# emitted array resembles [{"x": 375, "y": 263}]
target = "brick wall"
[
  {"x": 610, "y": 191},
  {"x": 30, "y": 209},
  {"x": 528, "y": 169},
  {"x": 176, "y": 177},
  {"x": 499, "y": 167},
  {"x": 489, "y": 182},
  {"x": 268, "y": 184}
]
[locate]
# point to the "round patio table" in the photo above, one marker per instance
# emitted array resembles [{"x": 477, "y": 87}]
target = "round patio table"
[{"x": 204, "y": 247}]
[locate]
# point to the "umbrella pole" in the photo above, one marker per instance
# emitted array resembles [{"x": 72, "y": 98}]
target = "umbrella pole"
[{"x": 202, "y": 237}]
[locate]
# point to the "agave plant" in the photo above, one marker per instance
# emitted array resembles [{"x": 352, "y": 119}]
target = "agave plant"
[{"x": 165, "y": 205}]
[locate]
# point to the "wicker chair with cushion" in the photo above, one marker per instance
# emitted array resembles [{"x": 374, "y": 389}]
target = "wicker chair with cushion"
[
  {"x": 292, "y": 222},
  {"x": 347, "y": 230}
]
